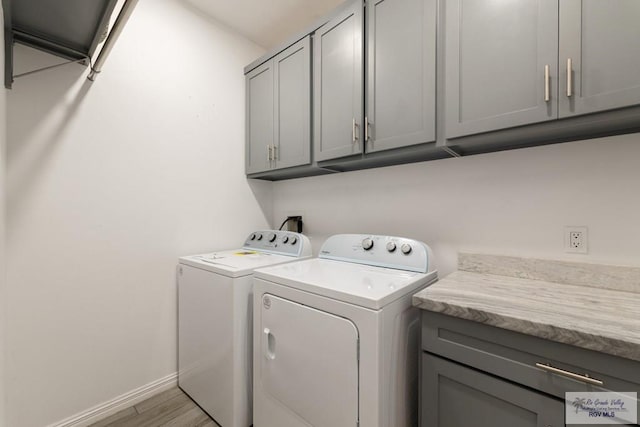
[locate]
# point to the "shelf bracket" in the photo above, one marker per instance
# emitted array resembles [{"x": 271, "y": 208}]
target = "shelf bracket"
[{"x": 74, "y": 61}]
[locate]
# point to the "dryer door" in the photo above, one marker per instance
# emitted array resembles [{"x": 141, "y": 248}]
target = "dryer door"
[{"x": 309, "y": 362}]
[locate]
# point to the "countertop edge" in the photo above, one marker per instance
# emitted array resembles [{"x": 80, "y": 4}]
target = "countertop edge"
[{"x": 549, "y": 332}]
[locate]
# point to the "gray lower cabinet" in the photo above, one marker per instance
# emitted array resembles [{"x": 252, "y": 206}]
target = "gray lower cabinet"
[
  {"x": 500, "y": 64},
  {"x": 400, "y": 73},
  {"x": 338, "y": 85},
  {"x": 599, "y": 55},
  {"x": 479, "y": 375},
  {"x": 457, "y": 396},
  {"x": 278, "y": 103}
]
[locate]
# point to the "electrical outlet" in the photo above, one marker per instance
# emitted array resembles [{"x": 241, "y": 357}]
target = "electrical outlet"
[
  {"x": 294, "y": 223},
  {"x": 575, "y": 240}
]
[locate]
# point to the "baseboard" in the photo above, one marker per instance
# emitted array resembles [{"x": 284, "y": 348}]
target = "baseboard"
[{"x": 123, "y": 401}]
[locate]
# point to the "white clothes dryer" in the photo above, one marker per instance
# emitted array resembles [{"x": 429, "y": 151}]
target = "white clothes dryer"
[
  {"x": 336, "y": 338},
  {"x": 215, "y": 326}
]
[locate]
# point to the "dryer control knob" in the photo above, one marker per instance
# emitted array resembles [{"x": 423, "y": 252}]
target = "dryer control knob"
[
  {"x": 259, "y": 236},
  {"x": 406, "y": 249},
  {"x": 391, "y": 246},
  {"x": 285, "y": 239},
  {"x": 367, "y": 244},
  {"x": 272, "y": 237},
  {"x": 294, "y": 240},
  {"x": 253, "y": 236}
]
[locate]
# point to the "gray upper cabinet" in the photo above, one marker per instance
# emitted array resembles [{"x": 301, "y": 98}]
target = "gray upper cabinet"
[
  {"x": 401, "y": 54},
  {"x": 278, "y": 122},
  {"x": 338, "y": 85},
  {"x": 259, "y": 119},
  {"x": 599, "y": 55},
  {"x": 366, "y": 113},
  {"x": 418, "y": 80},
  {"x": 292, "y": 115},
  {"x": 501, "y": 64}
]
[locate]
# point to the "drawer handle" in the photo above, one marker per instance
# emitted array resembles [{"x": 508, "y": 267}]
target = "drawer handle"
[{"x": 584, "y": 378}]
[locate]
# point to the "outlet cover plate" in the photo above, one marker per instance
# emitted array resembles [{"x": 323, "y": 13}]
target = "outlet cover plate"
[{"x": 576, "y": 239}]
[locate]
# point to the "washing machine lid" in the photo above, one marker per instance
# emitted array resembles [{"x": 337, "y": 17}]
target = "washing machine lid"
[
  {"x": 235, "y": 263},
  {"x": 363, "y": 285},
  {"x": 261, "y": 248}
]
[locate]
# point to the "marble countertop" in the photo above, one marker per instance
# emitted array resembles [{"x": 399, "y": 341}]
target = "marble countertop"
[{"x": 596, "y": 307}]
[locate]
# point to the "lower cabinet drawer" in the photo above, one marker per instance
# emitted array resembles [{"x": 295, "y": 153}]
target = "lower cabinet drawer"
[
  {"x": 454, "y": 395},
  {"x": 539, "y": 364}
]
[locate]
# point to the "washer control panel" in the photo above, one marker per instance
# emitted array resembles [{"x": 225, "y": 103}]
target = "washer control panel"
[
  {"x": 382, "y": 251},
  {"x": 278, "y": 242}
]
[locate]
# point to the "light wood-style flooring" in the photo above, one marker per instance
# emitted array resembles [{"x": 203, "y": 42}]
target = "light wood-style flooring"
[{"x": 171, "y": 408}]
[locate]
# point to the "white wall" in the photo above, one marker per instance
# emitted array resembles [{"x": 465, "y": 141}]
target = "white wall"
[
  {"x": 512, "y": 202},
  {"x": 108, "y": 183},
  {"x": 3, "y": 299}
]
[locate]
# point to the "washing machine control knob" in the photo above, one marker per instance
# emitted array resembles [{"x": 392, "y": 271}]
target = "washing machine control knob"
[
  {"x": 406, "y": 248},
  {"x": 367, "y": 244},
  {"x": 294, "y": 240},
  {"x": 259, "y": 236},
  {"x": 285, "y": 239},
  {"x": 272, "y": 237},
  {"x": 391, "y": 246},
  {"x": 253, "y": 236}
]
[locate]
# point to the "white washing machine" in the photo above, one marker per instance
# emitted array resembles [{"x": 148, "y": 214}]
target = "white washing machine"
[
  {"x": 214, "y": 322},
  {"x": 336, "y": 338}
]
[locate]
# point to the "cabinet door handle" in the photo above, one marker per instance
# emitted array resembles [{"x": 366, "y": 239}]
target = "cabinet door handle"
[
  {"x": 275, "y": 152},
  {"x": 584, "y": 378},
  {"x": 269, "y": 153},
  {"x": 569, "y": 78},
  {"x": 366, "y": 129},
  {"x": 354, "y": 136},
  {"x": 547, "y": 95}
]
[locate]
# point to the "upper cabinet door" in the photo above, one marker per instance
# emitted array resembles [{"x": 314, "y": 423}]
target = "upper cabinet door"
[
  {"x": 600, "y": 40},
  {"x": 501, "y": 64},
  {"x": 401, "y": 73},
  {"x": 292, "y": 114},
  {"x": 338, "y": 85},
  {"x": 259, "y": 118}
]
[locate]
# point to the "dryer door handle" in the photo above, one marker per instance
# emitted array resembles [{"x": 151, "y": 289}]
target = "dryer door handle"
[{"x": 268, "y": 344}]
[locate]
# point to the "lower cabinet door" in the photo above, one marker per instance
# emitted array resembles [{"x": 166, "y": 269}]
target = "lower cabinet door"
[{"x": 455, "y": 396}]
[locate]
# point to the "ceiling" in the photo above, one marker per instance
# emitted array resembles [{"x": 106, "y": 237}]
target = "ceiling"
[{"x": 266, "y": 22}]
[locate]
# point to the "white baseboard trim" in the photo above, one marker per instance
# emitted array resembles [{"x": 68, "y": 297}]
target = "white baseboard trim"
[{"x": 123, "y": 401}]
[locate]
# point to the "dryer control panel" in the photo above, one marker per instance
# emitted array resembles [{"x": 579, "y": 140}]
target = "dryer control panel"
[
  {"x": 278, "y": 242},
  {"x": 381, "y": 251}
]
